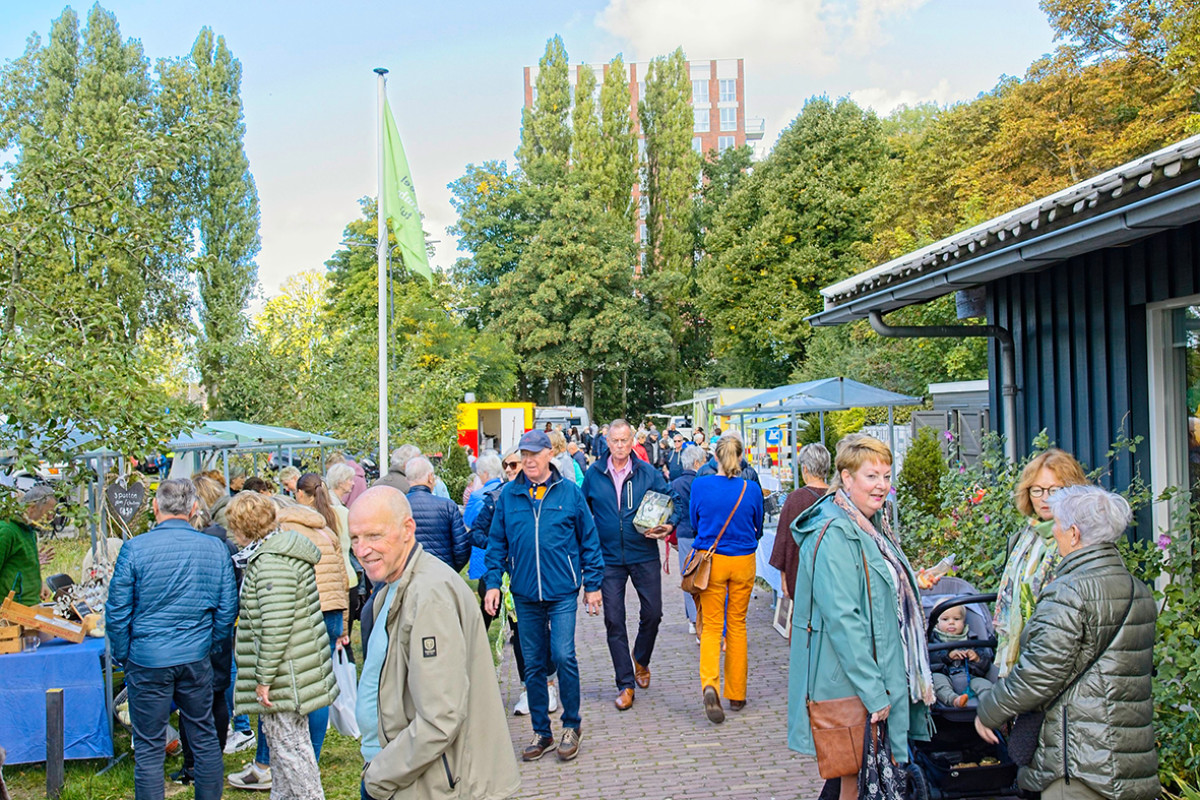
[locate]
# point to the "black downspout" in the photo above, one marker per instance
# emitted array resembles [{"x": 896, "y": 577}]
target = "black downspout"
[{"x": 1008, "y": 361}]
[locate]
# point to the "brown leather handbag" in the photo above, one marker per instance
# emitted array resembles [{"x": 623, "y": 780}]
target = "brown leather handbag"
[
  {"x": 839, "y": 725},
  {"x": 698, "y": 566}
]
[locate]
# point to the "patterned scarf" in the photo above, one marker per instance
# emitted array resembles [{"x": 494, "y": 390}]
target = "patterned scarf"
[
  {"x": 242, "y": 557},
  {"x": 909, "y": 613},
  {"x": 1029, "y": 568}
]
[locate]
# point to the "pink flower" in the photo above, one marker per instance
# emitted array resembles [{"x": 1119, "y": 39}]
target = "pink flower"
[
  {"x": 1164, "y": 542},
  {"x": 949, "y": 436}
]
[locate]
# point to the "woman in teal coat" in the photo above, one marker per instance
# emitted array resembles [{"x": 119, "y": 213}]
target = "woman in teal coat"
[{"x": 836, "y": 660}]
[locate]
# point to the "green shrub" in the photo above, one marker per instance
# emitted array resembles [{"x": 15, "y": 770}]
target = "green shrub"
[
  {"x": 919, "y": 488},
  {"x": 456, "y": 471}
]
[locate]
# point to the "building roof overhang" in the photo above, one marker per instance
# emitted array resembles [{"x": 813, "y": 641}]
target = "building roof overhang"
[{"x": 1156, "y": 192}]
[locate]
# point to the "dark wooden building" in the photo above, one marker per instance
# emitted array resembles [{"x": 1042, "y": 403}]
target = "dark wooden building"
[{"x": 1099, "y": 287}]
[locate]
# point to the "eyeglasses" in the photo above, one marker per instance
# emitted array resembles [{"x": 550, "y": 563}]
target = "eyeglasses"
[{"x": 1048, "y": 491}]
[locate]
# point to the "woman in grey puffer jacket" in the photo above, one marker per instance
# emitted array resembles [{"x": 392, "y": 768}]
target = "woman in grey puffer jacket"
[{"x": 1097, "y": 739}]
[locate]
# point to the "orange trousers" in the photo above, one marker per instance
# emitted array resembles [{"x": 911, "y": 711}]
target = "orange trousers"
[{"x": 732, "y": 577}]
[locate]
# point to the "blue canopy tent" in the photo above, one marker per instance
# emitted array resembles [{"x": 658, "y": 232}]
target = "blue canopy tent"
[
  {"x": 820, "y": 396},
  {"x": 249, "y": 438}
]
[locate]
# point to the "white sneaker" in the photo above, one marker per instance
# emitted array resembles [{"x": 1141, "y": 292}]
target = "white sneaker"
[
  {"x": 238, "y": 741},
  {"x": 692, "y": 628},
  {"x": 522, "y": 707},
  {"x": 553, "y": 698},
  {"x": 252, "y": 778}
]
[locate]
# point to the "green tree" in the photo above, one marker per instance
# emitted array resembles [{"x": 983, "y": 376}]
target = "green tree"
[
  {"x": 796, "y": 224},
  {"x": 587, "y": 150},
  {"x": 222, "y": 197},
  {"x": 93, "y": 244},
  {"x": 545, "y": 149},
  {"x": 919, "y": 487},
  {"x": 619, "y": 165}
]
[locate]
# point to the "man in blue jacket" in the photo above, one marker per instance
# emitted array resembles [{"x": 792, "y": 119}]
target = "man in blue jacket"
[
  {"x": 542, "y": 535},
  {"x": 614, "y": 488},
  {"x": 171, "y": 600},
  {"x": 440, "y": 528}
]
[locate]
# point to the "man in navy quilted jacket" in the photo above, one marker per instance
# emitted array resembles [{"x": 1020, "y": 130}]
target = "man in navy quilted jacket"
[
  {"x": 440, "y": 528},
  {"x": 172, "y": 598}
]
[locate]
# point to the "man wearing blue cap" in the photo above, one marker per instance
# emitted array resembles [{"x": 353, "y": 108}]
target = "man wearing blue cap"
[{"x": 542, "y": 534}]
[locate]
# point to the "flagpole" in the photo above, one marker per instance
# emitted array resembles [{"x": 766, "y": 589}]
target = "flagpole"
[{"x": 381, "y": 254}]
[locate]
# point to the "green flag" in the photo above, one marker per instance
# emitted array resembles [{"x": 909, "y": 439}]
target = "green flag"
[{"x": 399, "y": 200}]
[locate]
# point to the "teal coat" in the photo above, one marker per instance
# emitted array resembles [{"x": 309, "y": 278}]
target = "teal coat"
[{"x": 841, "y": 664}]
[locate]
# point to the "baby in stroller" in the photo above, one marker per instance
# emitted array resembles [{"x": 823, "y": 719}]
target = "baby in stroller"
[{"x": 954, "y": 671}]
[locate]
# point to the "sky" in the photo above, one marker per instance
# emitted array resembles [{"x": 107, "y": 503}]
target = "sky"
[{"x": 456, "y": 78}]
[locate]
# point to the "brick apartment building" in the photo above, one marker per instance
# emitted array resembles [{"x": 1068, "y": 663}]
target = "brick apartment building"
[{"x": 718, "y": 106}]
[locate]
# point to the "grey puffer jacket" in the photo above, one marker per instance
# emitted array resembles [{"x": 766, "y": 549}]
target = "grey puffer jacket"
[
  {"x": 281, "y": 637},
  {"x": 1100, "y": 731}
]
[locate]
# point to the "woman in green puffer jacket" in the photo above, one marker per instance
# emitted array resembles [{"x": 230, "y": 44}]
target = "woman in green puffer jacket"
[
  {"x": 1085, "y": 660},
  {"x": 283, "y": 655}
]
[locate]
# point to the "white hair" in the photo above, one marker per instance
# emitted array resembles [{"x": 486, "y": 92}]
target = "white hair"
[
  {"x": 815, "y": 459},
  {"x": 418, "y": 469},
  {"x": 175, "y": 497},
  {"x": 337, "y": 475},
  {"x": 488, "y": 464},
  {"x": 693, "y": 457},
  {"x": 1100, "y": 515},
  {"x": 403, "y": 454}
]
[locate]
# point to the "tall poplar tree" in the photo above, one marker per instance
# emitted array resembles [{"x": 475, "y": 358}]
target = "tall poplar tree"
[
  {"x": 222, "y": 199},
  {"x": 545, "y": 149},
  {"x": 618, "y": 170}
]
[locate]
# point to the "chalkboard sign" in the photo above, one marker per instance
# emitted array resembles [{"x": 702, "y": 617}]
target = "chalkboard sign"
[{"x": 126, "y": 501}]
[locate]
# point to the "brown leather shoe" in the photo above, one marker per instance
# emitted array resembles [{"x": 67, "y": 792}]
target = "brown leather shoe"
[
  {"x": 737, "y": 705},
  {"x": 624, "y": 700},
  {"x": 641, "y": 676},
  {"x": 538, "y": 747}
]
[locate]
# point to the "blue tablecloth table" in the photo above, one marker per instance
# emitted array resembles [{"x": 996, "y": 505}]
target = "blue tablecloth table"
[{"x": 77, "y": 669}]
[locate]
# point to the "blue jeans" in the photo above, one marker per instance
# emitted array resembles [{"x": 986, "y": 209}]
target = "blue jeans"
[
  {"x": 241, "y": 722},
  {"x": 689, "y": 602},
  {"x": 151, "y": 690},
  {"x": 550, "y": 623},
  {"x": 318, "y": 721}
]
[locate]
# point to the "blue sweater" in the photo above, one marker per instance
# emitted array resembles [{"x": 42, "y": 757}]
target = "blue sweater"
[{"x": 713, "y": 497}]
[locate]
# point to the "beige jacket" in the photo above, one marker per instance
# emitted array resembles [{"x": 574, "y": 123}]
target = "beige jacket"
[
  {"x": 441, "y": 721},
  {"x": 331, "y": 572}
]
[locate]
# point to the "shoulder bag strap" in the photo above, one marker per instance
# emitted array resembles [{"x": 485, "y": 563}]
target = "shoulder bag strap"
[
  {"x": 811, "y": 594},
  {"x": 728, "y": 519}
]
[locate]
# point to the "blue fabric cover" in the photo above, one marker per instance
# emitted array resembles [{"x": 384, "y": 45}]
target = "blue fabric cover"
[
  {"x": 440, "y": 527},
  {"x": 172, "y": 597},
  {"x": 471, "y": 514},
  {"x": 78, "y": 670}
]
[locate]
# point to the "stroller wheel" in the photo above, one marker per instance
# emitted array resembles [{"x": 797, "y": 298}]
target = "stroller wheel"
[{"x": 916, "y": 784}]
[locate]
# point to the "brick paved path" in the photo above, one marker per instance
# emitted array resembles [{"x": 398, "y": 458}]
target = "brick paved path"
[{"x": 664, "y": 748}]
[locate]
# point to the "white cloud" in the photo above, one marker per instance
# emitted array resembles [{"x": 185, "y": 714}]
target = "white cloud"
[
  {"x": 866, "y": 22},
  {"x": 885, "y": 101},
  {"x": 775, "y": 32}
]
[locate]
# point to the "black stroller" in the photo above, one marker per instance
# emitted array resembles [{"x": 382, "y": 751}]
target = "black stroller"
[{"x": 956, "y": 763}]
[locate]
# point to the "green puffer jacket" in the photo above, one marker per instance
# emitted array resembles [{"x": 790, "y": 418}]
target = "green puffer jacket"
[
  {"x": 281, "y": 637},
  {"x": 1107, "y": 714}
]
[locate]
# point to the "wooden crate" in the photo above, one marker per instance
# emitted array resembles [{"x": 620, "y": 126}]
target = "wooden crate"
[
  {"x": 10, "y": 646},
  {"x": 40, "y": 618},
  {"x": 9, "y": 631}
]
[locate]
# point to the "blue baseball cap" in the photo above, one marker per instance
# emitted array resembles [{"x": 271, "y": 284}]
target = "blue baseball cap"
[{"x": 534, "y": 441}]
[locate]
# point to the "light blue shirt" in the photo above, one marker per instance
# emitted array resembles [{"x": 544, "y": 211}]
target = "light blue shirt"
[
  {"x": 367, "y": 709},
  {"x": 440, "y": 490}
]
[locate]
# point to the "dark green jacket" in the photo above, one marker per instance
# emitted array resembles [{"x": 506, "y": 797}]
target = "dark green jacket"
[
  {"x": 281, "y": 637},
  {"x": 1107, "y": 715},
  {"x": 839, "y": 661},
  {"x": 19, "y": 568}
]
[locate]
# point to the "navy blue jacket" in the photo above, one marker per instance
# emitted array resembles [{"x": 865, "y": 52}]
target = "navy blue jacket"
[
  {"x": 440, "y": 527},
  {"x": 748, "y": 472},
  {"x": 682, "y": 487},
  {"x": 619, "y": 540},
  {"x": 172, "y": 597},
  {"x": 547, "y": 548}
]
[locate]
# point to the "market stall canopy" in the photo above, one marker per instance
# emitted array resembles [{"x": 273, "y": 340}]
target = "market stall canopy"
[
  {"x": 827, "y": 394},
  {"x": 776, "y": 422},
  {"x": 247, "y": 437},
  {"x": 75, "y": 441}
]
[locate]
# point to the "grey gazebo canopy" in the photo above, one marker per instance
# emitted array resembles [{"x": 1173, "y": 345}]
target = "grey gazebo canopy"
[{"x": 819, "y": 396}]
